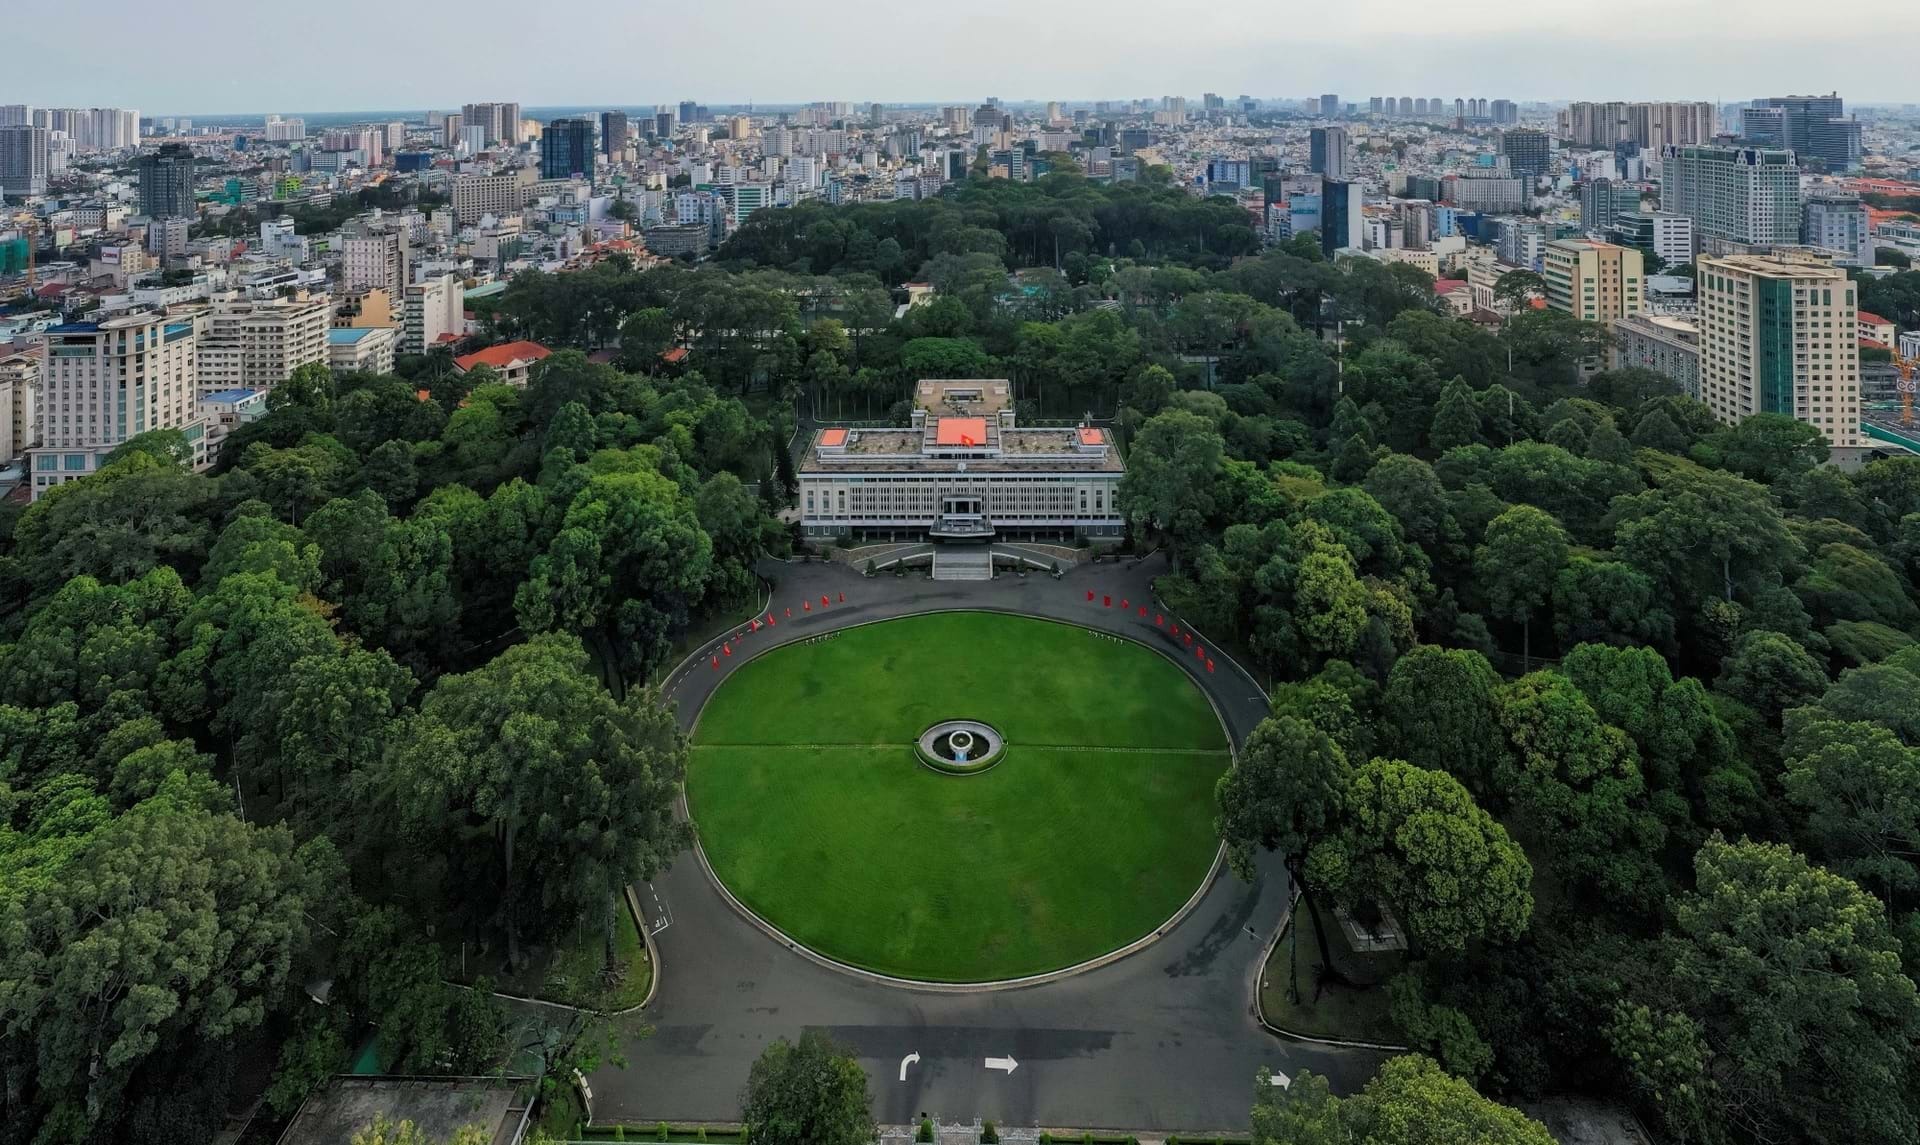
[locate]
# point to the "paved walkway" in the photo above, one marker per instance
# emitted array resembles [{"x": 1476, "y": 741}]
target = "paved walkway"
[{"x": 1164, "y": 1039}]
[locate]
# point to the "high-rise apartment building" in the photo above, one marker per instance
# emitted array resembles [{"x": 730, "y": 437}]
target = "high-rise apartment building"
[
  {"x": 1327, "y": 152},
  {"x": 19, "y": 402},
  {"x": 431, "y": 308},
  {"x": 1734, "y": 195},
  {"x": 257, "y": 344},
  {"x": 166, "y": 182},
  {"x": 613, "y": 134},
  {"x": 375, "y": 260},
  {"x": 566, "y": 149},
  {"x": 475, "y": 196},
  {"x": 502, "y": 121},
  {"x": 16, "y": 115},
  {"x": 1593, "y": 281},
  {"x": 689, "y": 111},
  {"x": 1526, "y": 150},
  {"x": 1837, "y": 221},
  {"x": 1649, "y": 125},
  {"x": 1780, "y": 337},
  {"x": 1663, "y": 343},
  {"x": 23, "y": 161},
  {"x": 1329, "y": 105}
]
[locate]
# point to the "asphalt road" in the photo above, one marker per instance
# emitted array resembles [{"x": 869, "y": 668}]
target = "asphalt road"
[{"x": 1165, "y": 1039}]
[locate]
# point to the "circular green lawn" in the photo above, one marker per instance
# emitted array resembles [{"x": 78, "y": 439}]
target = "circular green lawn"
[{"x": 1094, "y": 828}]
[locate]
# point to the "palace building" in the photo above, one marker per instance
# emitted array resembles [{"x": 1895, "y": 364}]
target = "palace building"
[{"x": 964, "y": 470}]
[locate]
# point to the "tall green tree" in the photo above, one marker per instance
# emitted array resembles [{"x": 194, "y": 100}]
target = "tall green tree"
[
  {"x": 807, "y": 1093},
  {"x": 1517, "y": 565},
  {"x": 1167, "y": 491},
  {"x": 540, "y": 786}
]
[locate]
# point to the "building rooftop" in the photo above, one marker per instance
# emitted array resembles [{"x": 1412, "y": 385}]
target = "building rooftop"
[
  {"x": 348, "y": 335},
  {"x": 973, "y": 397},
  {"x": 961, "y": 431},
  {"x": 238, "y": 395},
  {"x": 503, "y": 355}
]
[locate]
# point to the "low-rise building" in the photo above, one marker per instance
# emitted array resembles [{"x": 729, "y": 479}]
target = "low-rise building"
[
  {"x": 962, "y": 470},
  {"x": 512, "y": 361},
  {"x": 361, "y": 349}
]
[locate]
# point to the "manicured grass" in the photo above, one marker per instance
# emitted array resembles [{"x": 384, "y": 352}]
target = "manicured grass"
[
  {"x": 1329, "y": 1009},
  {"x": 814, "y": 811}
]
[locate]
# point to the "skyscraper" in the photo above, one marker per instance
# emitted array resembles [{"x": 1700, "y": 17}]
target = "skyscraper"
[
  {"x": 1342, "y": 224},
  {"x": 689, "y": 111},
  {"x": 566, "y": 149},
  {"x": 502, "y": 121},
  {"x": 1654, "y": 125},
  {"x": 1813, "y": 127},
  {"x": 613, "y": 134},
  {"x": 166, "y": 182},
  {"x": 1327, "y": 152},
  {"x": 1780, "y": 337},
  {"x": 23, "y": 161},
  {"x": 1744, "y": 195},
  {"x": 1526, "y": 150},
  {"x": 1329, "y": 105}
]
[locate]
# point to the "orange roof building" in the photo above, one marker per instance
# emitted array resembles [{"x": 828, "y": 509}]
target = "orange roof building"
[{"x": 513, "y": 361}]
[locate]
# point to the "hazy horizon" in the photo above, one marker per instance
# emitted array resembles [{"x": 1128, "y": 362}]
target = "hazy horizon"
[{"x": 373, "y": 55}]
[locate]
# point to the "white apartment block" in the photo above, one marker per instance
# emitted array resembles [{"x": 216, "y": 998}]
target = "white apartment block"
[
  {"x": 1780, "y": 337},
  {"x": 431, "y": 308},
  {"x": 257, "y": 344},
  {"x": 362, "y": 349},
  {"x": 19, "y": 403},
  {"x": 1661, "y": 343},
  {"x": 375, "y": 261}
]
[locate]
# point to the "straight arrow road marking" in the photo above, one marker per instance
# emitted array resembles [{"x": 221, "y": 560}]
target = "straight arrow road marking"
[
  {"x": 1006, "y": 1063},
  {"x": 910, "y": 1059},
  {"x": 1281, "y": 1080}
]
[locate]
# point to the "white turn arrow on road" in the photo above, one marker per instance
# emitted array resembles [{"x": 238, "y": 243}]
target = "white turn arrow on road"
[
  {"x": 1281, "y": 1080},
  {"x": 910, "y": 1059},
  {"x": 1007, "y": 1064}
]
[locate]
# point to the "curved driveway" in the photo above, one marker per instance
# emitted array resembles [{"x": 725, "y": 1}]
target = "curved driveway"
[{"x": 1163, "y": 1040}]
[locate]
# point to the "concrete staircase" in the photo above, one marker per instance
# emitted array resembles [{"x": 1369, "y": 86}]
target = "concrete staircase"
[{"x": 958, "y": 563}]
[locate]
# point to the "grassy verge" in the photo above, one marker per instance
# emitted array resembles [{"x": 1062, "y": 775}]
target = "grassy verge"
[
  {"x": 1326, "y": 1008},
  {"x": 571, "y": 972}
]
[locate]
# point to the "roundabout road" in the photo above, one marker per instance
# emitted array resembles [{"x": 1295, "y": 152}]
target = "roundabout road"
[{"x": 1164, "y": 1039}]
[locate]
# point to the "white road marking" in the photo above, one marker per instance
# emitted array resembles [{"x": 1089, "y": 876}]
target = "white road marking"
[
  {"x": 1006, "y": 1063},
  {"x": 1281, "y": 1080},
  {"x": 911, "y": 1059}
]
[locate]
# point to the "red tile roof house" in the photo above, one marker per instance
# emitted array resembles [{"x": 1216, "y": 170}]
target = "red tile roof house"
[{"x": 513, "y": 361}]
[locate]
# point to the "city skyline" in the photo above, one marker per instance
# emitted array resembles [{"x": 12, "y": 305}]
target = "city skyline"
[{"x": 406, "y": 59}]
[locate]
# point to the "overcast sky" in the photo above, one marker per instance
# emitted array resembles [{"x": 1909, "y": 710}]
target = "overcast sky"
[{"x": 210, "y": 56}]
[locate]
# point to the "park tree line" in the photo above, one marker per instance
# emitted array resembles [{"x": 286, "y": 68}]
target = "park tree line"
[{"x": 376, "y": 689}]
